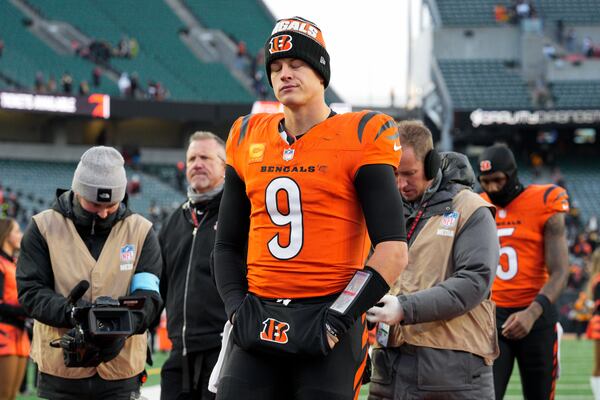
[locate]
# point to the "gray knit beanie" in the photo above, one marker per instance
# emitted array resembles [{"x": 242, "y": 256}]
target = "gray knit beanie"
[{"x": 100, "y": 176}]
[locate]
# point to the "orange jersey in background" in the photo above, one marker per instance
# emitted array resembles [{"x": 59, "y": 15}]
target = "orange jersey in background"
[
  {"x": 14, "y": 341},
  {"x": 522, "y": 271},
  {"x": 307, "y": 230}
]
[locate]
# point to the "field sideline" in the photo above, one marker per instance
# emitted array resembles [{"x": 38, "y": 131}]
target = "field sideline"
[{"x": 576, "y": 365}]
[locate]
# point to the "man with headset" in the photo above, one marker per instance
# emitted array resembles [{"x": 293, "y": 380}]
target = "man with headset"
[{"x": 436, "y": 329}]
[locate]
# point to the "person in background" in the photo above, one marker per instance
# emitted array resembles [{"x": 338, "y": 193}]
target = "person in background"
[
  {"x": 14, "y": 341},
  {"x": 593, "y": 329},
  {"x": 89, "y": 234},
  {"x": 443, "y": 295},
  {"x": 195, "y": 311},
  {"x": 533, "y": 270}
]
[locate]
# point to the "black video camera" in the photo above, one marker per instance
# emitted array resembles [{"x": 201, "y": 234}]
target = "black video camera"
[{"x": 100, "y": 328}]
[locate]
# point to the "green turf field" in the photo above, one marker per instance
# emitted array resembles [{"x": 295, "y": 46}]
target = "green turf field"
[{"x": 576, "y": 364}]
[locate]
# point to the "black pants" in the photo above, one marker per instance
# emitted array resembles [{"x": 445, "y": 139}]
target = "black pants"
[
  {"x": 536, "y": 354},
  {"x": 93, "y": 388},
  {"x": 183, "y": 378},
  {"x": 257, "y": 376}
]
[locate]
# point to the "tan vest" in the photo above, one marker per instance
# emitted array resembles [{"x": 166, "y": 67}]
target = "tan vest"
[
  {"x": 430, "y": 262},
  {"x": 109, "y": 276}
]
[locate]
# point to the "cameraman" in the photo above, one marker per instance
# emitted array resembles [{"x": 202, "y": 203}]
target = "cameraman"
[{"x": 89, "y": 234}]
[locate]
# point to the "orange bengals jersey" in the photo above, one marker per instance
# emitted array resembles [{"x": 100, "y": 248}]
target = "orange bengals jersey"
[
  {"x": 522, "y": 271},
  {"x": 307, "y": 230},
  {"x": 13, "y": 341}
]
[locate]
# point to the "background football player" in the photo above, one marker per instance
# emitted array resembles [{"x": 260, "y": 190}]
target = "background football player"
[{"x": 532, "y": 272}]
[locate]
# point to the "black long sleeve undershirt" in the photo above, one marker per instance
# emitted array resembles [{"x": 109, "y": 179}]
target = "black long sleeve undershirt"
[
  {"x": 381, "y": 203},
  {"x": 230, "y": 242},
  {"x": 377, "y": 193}
]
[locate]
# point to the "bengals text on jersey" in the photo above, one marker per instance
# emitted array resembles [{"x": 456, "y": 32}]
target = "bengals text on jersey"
[
  {"x": 522, "y": 270},
  {"x": 307, "y": 231}
]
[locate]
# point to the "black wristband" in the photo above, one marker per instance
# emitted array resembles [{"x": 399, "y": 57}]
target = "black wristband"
[
  {"x": 365, "y": 289},
  {"x": 544, "y": 302}
]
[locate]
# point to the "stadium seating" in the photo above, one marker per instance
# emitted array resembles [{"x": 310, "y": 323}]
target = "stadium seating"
[
  {"x": 37, "y": 181},
  {"x": 162, "y": 57},
  {"x": 481, "y": 12},
  {"x": 468, "y": 12},
  {"x": 583, "y": 184},
  {"x": 471, "y": 82},
  {"x": 572, "y": 11},
  {"x": 249, "y": 22},
  {"x": 576, "y": 94},
  {"x": 25, "y": 54}
]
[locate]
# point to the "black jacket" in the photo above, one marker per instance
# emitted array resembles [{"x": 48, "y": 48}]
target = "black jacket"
[
  {"x": 191, "y": 298},
  {"x": 35, "y": 278}
]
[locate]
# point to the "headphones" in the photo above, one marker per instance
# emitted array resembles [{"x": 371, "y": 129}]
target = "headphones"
[{"x": 431, "y": 164}]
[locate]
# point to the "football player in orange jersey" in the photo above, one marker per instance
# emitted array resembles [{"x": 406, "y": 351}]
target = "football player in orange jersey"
[
  {"x": 593, "y": 330},
  {"x": 532, "y": 272},
  {"x": 307, "y": 193}
]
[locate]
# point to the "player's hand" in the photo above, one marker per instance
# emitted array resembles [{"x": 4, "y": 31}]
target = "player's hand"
[
  {"x": 518, "y": 325},
  {"x": 388, "y": 311},
  {"x": 332, "y": 340}
]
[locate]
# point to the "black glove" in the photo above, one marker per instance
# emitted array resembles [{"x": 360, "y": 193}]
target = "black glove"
[
  {"x": 77, "y": 351},
  {"x": 109, "y": 349},
  {"x": 78, "y": 314}
]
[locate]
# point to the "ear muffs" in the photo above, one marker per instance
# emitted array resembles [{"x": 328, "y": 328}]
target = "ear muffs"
[{"x": 432, "y": 164}]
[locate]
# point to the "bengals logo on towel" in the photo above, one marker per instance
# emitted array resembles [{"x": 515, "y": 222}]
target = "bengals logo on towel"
[
  {"x": 275, "y": 331},
  {"x": 280, "y": 43}
]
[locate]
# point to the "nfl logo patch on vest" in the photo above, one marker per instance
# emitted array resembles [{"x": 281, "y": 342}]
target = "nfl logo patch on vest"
[
  {"x": 127, "y": 256},
  {"x": 448, "y": 224}
]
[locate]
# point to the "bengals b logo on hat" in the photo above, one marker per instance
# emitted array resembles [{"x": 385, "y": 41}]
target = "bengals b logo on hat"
[
  {"x": 298, "y": 38},
  {"x": 280, "y": 43},
  {"x": 485, "y": 165}
]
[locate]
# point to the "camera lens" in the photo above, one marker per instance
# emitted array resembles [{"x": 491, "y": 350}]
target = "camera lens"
[{"x": 107, "y": 325}]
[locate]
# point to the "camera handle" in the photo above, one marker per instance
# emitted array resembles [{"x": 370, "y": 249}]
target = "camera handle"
[{"x": 77, "y": 292}]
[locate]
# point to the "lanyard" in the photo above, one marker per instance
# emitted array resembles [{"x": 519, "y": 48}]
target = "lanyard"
[
  {"x": 415, "y": 222},
  {"x": 195, "y": 216}
]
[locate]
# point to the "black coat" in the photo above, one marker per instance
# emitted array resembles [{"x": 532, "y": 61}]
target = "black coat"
[{"x": 187, "y": 285}]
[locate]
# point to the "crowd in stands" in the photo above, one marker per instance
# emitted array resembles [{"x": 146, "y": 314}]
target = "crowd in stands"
[
  {"x": 566, "y": 47},
  {"x": 67, "y": 85},
  {"x": 99, "y": 52},
  {"x": 11, "y": 205},
  {"x": 574, "y": 49},
  {"x": 254, "y": 67},
  {"x": 515, "y": 12}
]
